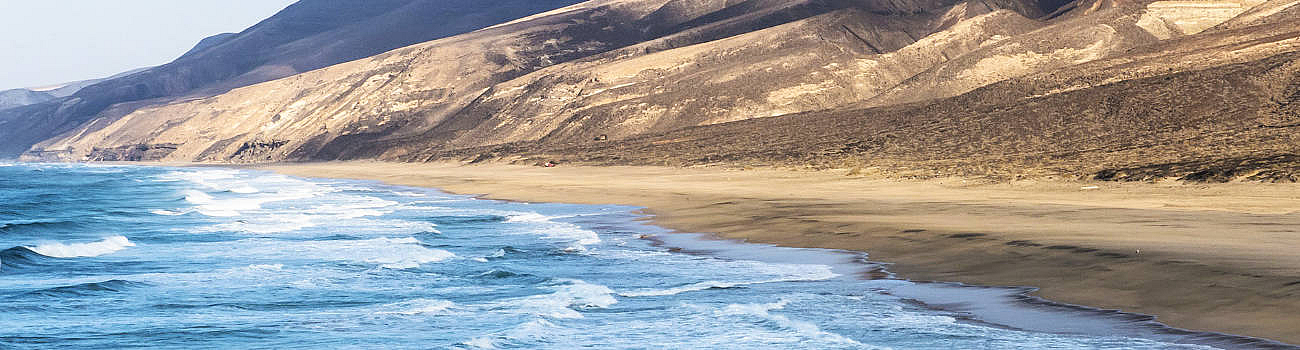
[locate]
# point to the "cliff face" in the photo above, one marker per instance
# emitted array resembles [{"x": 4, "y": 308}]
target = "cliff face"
[{"x": 846, "y": 72}]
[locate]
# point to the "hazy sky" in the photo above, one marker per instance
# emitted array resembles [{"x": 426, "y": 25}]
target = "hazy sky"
[{"x": 44, "y": 42}]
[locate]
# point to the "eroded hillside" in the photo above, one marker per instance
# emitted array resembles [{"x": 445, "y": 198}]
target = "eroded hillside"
[
  {"x": 1219, "y": 107},
  {"x": 307, "y": 35},
  {"x": 919, "y": 87},
  {"x": 616, "y": 68}
]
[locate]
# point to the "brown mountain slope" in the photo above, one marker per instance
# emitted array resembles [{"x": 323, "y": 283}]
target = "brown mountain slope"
[
  {"x": 1109, "y": 29},
  {"x": 307, "y": 35},
  {"x": 822, "y": 62},
  {"x": 1086, "y": 91},
  {"x": 1067, "y": 42},
  {"x": 1271, "y": 11},
  {"x": 405, "y": 85},
  {"x": 597, "y": 60},
  {"x": 1217, "y": 107}
]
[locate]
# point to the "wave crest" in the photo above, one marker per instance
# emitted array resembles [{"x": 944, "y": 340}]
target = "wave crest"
[
  {"x": 567, "y": 301},
  {"x": 18, "y": 258},
  {"x": 83, "y": 250},
  {"x": 805, "y": 274},
  {"x": 547, "y": 227},
  {"x": 88, "y": 289}
]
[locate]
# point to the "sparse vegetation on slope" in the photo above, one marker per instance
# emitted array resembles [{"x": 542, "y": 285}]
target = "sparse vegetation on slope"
[
  {"x": 308, "y": 35},
  {"x": 1104, "y": 89}
]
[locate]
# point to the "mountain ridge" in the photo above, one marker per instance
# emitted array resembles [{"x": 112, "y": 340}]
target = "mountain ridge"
[
  {"x": 618, "y": 13},
  {"x": 625, "y": 71},
  {"x": 21, "y": 97},
  {"x": 14, "y": 98},
  {"x": 305, "y": 36}
]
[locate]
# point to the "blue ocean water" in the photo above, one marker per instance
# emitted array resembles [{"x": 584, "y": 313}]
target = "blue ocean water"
[{"x": 123, "y": 256}]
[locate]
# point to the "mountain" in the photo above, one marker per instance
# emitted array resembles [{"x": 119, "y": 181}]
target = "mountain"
[
  {"x": 307, "y": 35},
  {"x": 210, "y": 42},
  {"x": 591, "y": 57},
  {"x": 1180, "y": 109},
  {"x": 1109, "y": 89},
  {"x": 29, "y": 96},
  {"x": 22, "y": 97}
]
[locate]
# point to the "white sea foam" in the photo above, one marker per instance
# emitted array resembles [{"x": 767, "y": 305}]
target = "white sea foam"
[
  {"x": 102, "y": 168},
  {"x": 238, "y": 205},
  {"x": 527, "y": 217},
  {"x": 500, "y": 253},
  {"x": 386, "y": 253},
  {"x": 266, "y": 267},
  {"x": 256, "y": 202},
  {"x": 403, "y": 253},
  {"x": 197, "y": 197},
  {"x": 535, "y": 331},
  {"x": 275, "y": 223},
  {"x": 245, "y": 190},
  {"x": 389, "y": 253},
  {"x": 83, "y": 250},
  {"x": 481, "y": 343},
  {"x": 202, "y": 177},
  {"x": 229, "y": 207},
  {"x": 239, "y": 193},
  {"x": 586, "y": 295},
  {"x": 574, "y": 294},
  {"x": 168, "y": 212},
  {"x": 806, "y": 329},
  {"x": 418, "y": 307},
  {"x": 530, "y": 332},
  {"x": 683, "y": 289},
  {"x": 788, "y": 272},
  {"x": 547, "y": 227},
  {"x": 350, "y": 207}
]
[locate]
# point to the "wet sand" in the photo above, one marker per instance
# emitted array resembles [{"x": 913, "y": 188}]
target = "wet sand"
[{"x": 1221, "y": 258}]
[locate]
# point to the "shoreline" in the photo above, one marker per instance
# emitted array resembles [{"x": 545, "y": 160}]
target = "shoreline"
[
  {"x": 994, "y": 306},
  {"x": 1216, "y": 258}
]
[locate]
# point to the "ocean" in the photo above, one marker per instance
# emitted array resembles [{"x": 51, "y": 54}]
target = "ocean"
[{"x": 111, "y": 257}]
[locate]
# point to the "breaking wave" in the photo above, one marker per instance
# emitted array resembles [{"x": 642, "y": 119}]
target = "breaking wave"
[
  {"x": 88, "y": 289},
  {"x": 83, "y": 250},
  {"x": 19, "y": 258},
  {"x": 239, "y": 259}
]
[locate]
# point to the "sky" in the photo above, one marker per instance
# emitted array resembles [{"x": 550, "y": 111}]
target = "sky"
[{"x": 47, "y": 42}]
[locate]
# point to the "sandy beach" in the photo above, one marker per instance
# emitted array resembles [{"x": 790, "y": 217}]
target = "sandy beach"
[{"x": 1220, "y": 258}]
